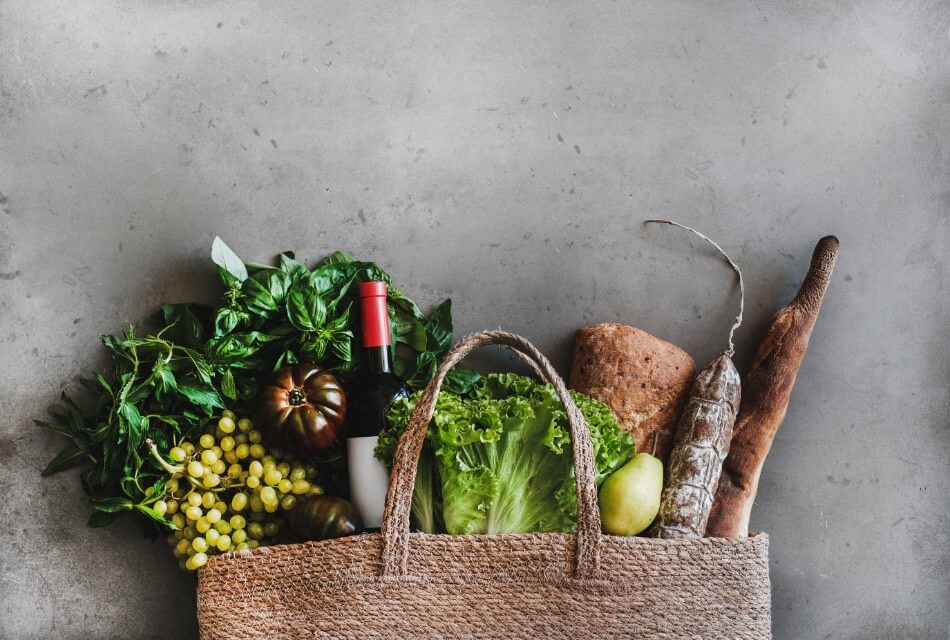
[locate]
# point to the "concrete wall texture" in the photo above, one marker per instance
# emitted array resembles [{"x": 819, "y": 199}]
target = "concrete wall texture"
[{"x": 503, "y": 154}]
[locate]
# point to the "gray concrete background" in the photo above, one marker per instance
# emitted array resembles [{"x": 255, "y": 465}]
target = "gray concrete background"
[{"x": 502, "y": 154}]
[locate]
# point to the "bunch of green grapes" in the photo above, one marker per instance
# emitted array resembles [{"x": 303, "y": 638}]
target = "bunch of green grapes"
[{"x": 228, "y": 492}]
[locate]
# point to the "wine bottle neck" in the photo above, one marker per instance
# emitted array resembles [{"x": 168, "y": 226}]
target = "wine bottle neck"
[{"x": 378, "y": 360}]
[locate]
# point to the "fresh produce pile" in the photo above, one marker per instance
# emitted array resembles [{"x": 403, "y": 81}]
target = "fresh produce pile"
[
  {"x": 186, "y": 379},
  {"x": 319, "y": 364}
]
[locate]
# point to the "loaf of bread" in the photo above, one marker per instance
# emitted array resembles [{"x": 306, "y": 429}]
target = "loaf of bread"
[{"x": 644, "y": 379}]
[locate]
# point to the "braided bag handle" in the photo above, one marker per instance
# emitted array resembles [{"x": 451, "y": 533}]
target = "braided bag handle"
[{"x": 395, "y": 526}]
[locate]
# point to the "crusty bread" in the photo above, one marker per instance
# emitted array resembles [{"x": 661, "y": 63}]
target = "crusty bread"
[
  {"x": 766, "y": 389},
  {"x": 644, "y": 379}
]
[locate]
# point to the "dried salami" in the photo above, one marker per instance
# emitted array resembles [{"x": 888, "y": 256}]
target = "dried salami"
[{"x": 702, "y": 436}]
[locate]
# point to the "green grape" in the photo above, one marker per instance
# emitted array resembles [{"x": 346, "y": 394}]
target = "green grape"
[
  {"x": 315, "y": 490},
  {"x": 211, "y": 480},
  {"x": 208, "y": 457},
  {"x": 208, "y": 498},
  {"x": 206, "y": 441},
  {"x": 224, "y": 543},
  {"x": 199, "y": 560},
  {"x": 181, "y": 548},
  {"x": 311, "y": 471},
  {"x": 226, "y": 424},
  {"x": 200, "y": 544},
  {"x": 242, "y": 547},
  {"x": 193, "y": 513},
  {"x": 227, "y": 413},
  {"x": 212, "y": 536},
  {"x": 239, "y": 536},
  {"x": 272, "y": 477},
  {"x": 178, "y": 520},
  {"x": 177, "y": 454},
  {"x": 230, "y": 457},
  {"x": 255, "y": 530},
  {"x": 300, "y": 487},
  {"x": 285, "y": 485},
  {"x": 188, "y": 447},
  {"x": 241, "y": 438},
  {"x": 195, "y": 469},
  {"x": 237, "y": 522},
  {"x": 298, "y": 473},
  {"x": 213, "y": 516},
  {"x": 245, "y": 425},
  {"x": 284, "y": 469},
  {"x": 242, "y": 451},
  {"x": 268, "y": 495},
  {"x": 217, "y": 451},
  {"x": 202, "y": 524},
  {"x": 271, "y": 529},
  {"x": 218, "y": 467},
  {"x": 287, "y": 502},
  {"x": 256, "y": 469},
  {"x": 258, "y": 451},
  {"x": 254, "y": 436},
  {"x": 172, "y": 485},
  {"x": 161, "y": 507},
  {"x": 239, "y": 501},
  {"x": 256, "y": 503},
  {"x": 227, "y": 443},
  {"x": 253, "y": 544},
  {"x": 189, "y": 533},
  {"x": 194, "y": 499},
  {"x": 235, "y": 471},
  {"x": 272, "y": 508},
  {"x": 253, "y": 482},
  {"x": 222, "y": 526}
]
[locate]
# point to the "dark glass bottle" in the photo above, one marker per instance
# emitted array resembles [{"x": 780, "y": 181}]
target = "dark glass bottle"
[{"x": 370, "y": 397}]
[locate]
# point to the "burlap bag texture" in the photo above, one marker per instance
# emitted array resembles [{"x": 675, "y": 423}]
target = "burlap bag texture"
[{"x": 396, "y": 584}]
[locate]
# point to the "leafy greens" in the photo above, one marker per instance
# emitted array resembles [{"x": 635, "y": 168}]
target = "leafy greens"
[
  {"x": 166, "y": 385},
  {"x": 498, "y": 457}
]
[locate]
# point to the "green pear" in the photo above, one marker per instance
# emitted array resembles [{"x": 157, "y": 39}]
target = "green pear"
[{"x": 630, "y": 497}]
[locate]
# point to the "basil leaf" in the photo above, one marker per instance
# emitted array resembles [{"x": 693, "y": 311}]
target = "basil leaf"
[
  {"x": 101, "y": 519},
  {"x": 222, "y": 256},
  {"x": 438, "y": 328},
  {"x": 205, "y": 398},
  {"x": 68, "y": 458},
  {"x": 111, "y": 505},
  {"x": 154, "y": 515},
  {"x": 306, "y": 310},
  {"x": 227, "y": 385},
  {"x": 461, "y": 381},
  {"x": 226, "y": 320}
]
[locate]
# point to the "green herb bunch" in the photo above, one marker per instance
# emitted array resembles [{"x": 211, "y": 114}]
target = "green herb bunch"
[{"x": 167, "y": 385}]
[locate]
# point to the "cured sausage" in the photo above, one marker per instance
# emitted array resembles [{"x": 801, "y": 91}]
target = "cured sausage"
[{"x": 702, "y": 436}]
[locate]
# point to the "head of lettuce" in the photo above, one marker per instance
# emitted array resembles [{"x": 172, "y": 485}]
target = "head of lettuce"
[{"x": 498, "y": 458}]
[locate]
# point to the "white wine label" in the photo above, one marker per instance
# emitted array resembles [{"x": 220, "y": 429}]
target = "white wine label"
[{"x": 369, "y": 480}]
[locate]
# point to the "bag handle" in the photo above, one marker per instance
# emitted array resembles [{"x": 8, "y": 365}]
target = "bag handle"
[{"x": 395, "y": 526}]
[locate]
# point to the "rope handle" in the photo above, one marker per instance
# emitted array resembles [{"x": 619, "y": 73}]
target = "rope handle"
[{"x": 395, "y": 526}]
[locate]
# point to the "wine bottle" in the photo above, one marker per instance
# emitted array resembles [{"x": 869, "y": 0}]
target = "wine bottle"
[{"x": 374, "y": 391}]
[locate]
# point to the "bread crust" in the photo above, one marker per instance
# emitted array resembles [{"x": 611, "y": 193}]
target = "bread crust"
[{"x": 644, "y": 379}]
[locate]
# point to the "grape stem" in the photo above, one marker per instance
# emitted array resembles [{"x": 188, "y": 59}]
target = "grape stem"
[
  {"x": 163, "y": 463},
  {"x": 173, "y": 469}
]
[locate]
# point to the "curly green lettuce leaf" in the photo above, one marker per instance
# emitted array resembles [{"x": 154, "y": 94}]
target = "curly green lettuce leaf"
[{"x": 503, "y": 457}]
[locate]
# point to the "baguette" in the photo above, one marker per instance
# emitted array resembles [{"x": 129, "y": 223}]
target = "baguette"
[{"x": 766, "y": 389}]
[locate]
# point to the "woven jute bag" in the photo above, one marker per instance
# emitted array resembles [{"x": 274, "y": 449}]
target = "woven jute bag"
[{"x": 397, "y": 584}]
